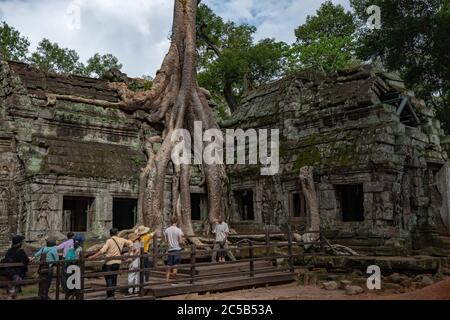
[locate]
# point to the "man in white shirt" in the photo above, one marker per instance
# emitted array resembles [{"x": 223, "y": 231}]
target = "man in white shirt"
[
  {"x": 221, "y": 231},
  {"x": 174, "y": 237}
]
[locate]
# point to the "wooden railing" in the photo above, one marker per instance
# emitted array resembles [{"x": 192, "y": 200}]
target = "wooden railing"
[{"x": 195, "y": 256}]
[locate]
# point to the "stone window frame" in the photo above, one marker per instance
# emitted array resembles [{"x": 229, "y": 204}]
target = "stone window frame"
[
  {"x": 339, "y": 211},
  {"x": 293, "y": 186},
  {"x": 242, "y": 188},
  {"x": 123, "y": 196},
  {"x": 91, "y": 213}
]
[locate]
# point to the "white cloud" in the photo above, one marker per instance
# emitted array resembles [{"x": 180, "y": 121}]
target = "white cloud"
[
  {"x": 274, "y": 18},
  {"x": 137, "y": 31},
  {"x": 134, "y": 31}
]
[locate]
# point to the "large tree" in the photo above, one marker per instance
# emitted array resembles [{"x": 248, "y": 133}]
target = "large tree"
[
  {"x": 413, "y": 40},
  {"x": 231, "y": 62},
  {"x": 175, "y": 101},
  {"x": 50, "y": 57},
  {"x": 325, "y": 40},
  {"x": 99, "y": 65},
  {"x": 13, "y": 46}
]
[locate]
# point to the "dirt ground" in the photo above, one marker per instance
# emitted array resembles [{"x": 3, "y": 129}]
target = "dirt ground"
[{"x": 293, "y": 291}]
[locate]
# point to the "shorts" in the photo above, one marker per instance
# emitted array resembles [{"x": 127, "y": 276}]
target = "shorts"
[
  {"x": 174, "y": 258},
  {"x": 222, "y": 252}
]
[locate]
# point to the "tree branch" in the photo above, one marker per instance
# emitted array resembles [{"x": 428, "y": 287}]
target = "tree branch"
[{"x": 208, "y": 41}]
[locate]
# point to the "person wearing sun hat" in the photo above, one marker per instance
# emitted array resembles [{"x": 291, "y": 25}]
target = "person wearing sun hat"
[
  {"x": 15, "y": 255},
  {"x": 145, "y": 237}
]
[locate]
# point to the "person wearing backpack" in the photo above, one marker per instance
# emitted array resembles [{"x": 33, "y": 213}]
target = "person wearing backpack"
[
  {"x": 73, "y": 254},
  {"x": 112, "y": 249},
  {"x": 75, "y": 251},
  {"x": 66, "y": 245},
  {"x": 15, "y": 255},
  {"x": 51, "y": 254}
]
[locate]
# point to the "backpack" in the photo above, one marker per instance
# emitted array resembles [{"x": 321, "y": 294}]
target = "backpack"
[{"x": 71, "y": 254}]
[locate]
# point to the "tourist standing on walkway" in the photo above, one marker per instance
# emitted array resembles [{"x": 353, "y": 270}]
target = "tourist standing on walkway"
[
  {"x": 112, "y": 248},
  {"x": 146, "y": 238},
  {"x": 15, "y": 255},
  {"x": 51, "y": 254},
  {"x": 76, "y": 250},
  {"x": 221, "y": 232},
  {"x": 66, "y": 245},
  {"x": 133, "y": 277},
  {"x": 174, "y": 237},
  {"x": 71, "y": 258}
]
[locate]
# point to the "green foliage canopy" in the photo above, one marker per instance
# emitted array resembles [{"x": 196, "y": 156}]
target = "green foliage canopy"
[
  {"x": 413, "y": 39},
  {"x": 13, "y": 46},
  {"x": 230, "y": 61},
  {"x": 325, "y": 40}
]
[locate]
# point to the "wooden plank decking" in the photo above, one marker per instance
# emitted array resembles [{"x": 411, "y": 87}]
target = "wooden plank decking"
[
  {"x": 221, "y": 284},
  {"x": 217, "y": 281}
]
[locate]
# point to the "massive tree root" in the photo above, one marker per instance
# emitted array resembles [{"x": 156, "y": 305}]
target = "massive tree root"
[
  {"x": 174, "y": 102},
  {"x": 312, "y": 203}
]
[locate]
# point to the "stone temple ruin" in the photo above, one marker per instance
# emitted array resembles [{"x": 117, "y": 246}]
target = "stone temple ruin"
[{"x": 378, "y": 153}]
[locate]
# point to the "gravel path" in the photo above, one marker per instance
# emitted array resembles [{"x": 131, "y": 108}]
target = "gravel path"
[{"x": 437, "y": 291}]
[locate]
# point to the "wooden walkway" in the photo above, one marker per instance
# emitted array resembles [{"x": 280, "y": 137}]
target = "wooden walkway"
[
  {"x": 216, "y": 279},
  {"x": 216, "y": 283},
  {"x": 274, "y": 266}
]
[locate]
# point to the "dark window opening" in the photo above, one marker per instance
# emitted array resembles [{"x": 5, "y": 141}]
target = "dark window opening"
[
  {"x": 198, "y": 206},
  {"x": 76, "y": 211},
  {"x": 298, "y": 206},
  {"x": 244, "y": 202},
  {"x": 351, "y": 199},
  {"x": 124, "y": 213}
]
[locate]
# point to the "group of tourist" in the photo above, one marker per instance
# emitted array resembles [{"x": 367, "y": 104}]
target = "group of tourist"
[
  {"x": 139, "y": 241},
  {"x": 71, "y": 250},
  {"x": 114, "y": 247}
]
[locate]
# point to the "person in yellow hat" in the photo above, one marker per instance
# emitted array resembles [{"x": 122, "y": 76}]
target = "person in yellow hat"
[{"x": 146, "y": 238}]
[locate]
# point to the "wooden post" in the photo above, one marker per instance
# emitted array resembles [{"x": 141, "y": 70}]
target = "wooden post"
[
  {"x": 291, "y": 256},
  {"x": 252, "y": 263},
  {"x": 268, "y": 253},
  {"x": 43, "y": 275},
  {"x": 321, "y": 243},
  {"x": 80, "y": 295},
  {"x": 141, "y": 273},
  {"x": 193, "y": 260},
  {"x": 58, "y": 279},
  {"x": 155, "y": 251}
]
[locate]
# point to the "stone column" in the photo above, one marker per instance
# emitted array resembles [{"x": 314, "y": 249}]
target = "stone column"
[{"x": 443, "y": 184}]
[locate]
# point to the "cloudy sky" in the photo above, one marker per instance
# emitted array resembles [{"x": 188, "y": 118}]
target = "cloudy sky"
[{"x": 137, "y": 31}]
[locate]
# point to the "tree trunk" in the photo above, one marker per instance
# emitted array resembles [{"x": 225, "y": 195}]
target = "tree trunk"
[
  {"x": 229, "y": 95},
  {"x": 309, "y": 191},
  {"x": 174, "y": 101}
]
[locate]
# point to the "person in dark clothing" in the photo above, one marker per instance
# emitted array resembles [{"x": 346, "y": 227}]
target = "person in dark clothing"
[{"x": 15, "y": 255}]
